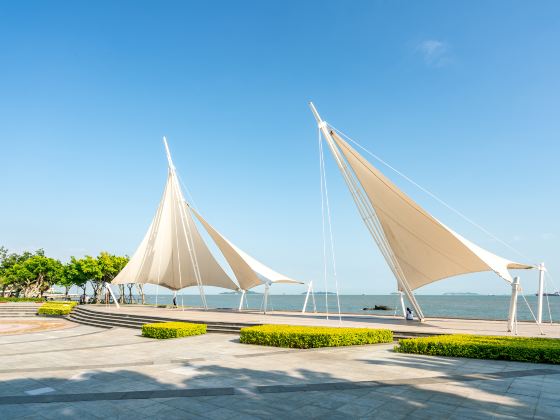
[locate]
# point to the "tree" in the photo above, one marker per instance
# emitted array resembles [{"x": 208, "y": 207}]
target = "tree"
[
  {"x": 101, "y": 270},
  {"x": 7, "y": 262},
  {"x": 34, "y": 275},
  {"x": 3, "y": 256},
  {"x": 90, "y": 269},
  {"x": 74, "y": 275}
]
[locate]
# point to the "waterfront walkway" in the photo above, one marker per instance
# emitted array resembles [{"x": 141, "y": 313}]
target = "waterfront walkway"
[
  {"x": 86, "y": 372},
  {"x": 396, "y": 324}
]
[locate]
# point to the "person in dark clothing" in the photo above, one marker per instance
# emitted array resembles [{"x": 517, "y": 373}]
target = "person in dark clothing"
[{"x": 409, "y": 315}]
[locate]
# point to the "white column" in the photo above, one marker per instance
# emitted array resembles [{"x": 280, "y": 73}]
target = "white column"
[
  {"x": 241, "y": 300},
  {"x": 313, "y": 300},
  {"x": 265, "y": 304},
  {"x": 307, "y": 297},
  {"x": 403, "y": 306},
  {"x": 540, "y": 293},
  {"x": 513, "y": 304}
]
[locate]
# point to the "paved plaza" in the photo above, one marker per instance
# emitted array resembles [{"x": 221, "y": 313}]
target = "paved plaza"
[
  {"x": 88, "y": 372},
  {"x": 394, "y": 323}
]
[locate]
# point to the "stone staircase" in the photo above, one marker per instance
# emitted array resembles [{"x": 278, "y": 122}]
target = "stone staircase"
[
  {"x": 82, "y": 315},
  {"x": 18, "y": 309}
]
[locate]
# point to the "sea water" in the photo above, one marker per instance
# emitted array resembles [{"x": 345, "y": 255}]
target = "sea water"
[{"x": 446, "y": 306}]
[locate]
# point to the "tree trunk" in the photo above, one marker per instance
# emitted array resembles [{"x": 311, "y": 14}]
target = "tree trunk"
[
  {"x": 121, "y": 292},
  {"x": 96, "y": 290},
  {"x": 130, "y": 286}
]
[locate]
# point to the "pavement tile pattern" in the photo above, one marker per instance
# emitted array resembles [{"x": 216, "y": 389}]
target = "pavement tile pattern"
[{"x": 93, "y": 373}]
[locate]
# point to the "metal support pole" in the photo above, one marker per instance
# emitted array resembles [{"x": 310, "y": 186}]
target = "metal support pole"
[
  {"x": 540, "y": 293},
  {"x": 241, "y": 300},
  {"x": 313, "y": 300},
  {"x": 112, "y": 295},
  {"x": 513, "y": 304},
  {"x": 307, "y": 297}
]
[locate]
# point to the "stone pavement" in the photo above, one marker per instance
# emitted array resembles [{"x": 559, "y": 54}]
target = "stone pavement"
[
  {"x": 396, "y": 324},
  {"x": 18, "y": 325},
  {"x": 95, "y": 373}
]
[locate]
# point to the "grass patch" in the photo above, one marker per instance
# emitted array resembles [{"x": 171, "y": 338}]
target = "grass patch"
[
  {"x": 520, "y": 349},
  {"x": 311, "y": 337},
  {"x": 162, "y": 330},
  {"x": 56, "y": 308}
]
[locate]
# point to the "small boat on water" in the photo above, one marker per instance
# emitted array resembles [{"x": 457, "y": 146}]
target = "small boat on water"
[
  {"x": 378, "y": 308},
  {"x": 549, "y": 294}
]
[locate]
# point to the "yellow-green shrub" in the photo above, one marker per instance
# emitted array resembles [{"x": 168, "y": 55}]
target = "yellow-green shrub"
[
  {"x": 163, "y": 330},
  {"x": 56, "y": 308},
  {"x": 521, "y": 349},
  {"x": 16, "y": 299},
  {"x": 311, "y": 337}
]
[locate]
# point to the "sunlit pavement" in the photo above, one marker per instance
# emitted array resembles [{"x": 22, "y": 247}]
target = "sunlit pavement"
[{"x": 86, "y": 372}]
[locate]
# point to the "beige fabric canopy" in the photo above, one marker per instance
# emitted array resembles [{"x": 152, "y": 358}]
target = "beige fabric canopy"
[
  {"x": 425, "y": 248},
  {"x": 173, "y": 254},
  {"x": 248, "y": 271}
]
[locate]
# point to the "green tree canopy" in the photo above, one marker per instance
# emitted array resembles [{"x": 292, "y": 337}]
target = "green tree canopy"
[{"x": 32, "y": 274}]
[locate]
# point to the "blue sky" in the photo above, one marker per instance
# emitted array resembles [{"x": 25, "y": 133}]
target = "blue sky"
[{"x": 462, "y": 97}]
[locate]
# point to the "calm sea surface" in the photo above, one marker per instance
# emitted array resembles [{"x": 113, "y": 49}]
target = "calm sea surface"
[{"x": 453, "y": 306}]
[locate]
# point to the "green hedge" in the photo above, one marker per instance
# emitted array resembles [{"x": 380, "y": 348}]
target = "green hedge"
[
  {"x": 56, "y": 308},
  {"x": 16, "y": 299},
  {"x": 521, "y": 349},
  {"x": 172, "y": 329},
  {"x": 311, "y": 337}
]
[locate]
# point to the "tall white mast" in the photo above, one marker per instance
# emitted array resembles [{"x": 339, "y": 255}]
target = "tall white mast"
[
  {"x": 368, "y": 214},
  {"x": 187, "y": 228},
  {"x": 168, "y": 153}
]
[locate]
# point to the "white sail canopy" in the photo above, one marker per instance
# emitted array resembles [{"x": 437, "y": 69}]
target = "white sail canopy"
[
  {"x": 425, "y": 249},
  {"x": 248, "y": 271},
  {"x": 173, "y": 254}
]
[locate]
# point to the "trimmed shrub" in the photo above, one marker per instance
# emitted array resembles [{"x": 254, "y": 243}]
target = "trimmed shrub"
[
  {"x": 70, "y": 303},
  {"x": 521, "y": 349},
  {"x": 311, "y": 337},
  {"x": 162, "y": 330},
  {"x": 56, "y": 308},
  {"x": 16, "y": 299}
]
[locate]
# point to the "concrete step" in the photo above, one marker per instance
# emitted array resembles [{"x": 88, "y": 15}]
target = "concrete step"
[
  {"x": 18, "y": 310},
  {"x": 88, "y": 322},
  {"x": 145, "y": 318},
  {"x": 154, "y": 318},
  {"x": 9, "y": 310},
  {"x": 107, "y": 320}
]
